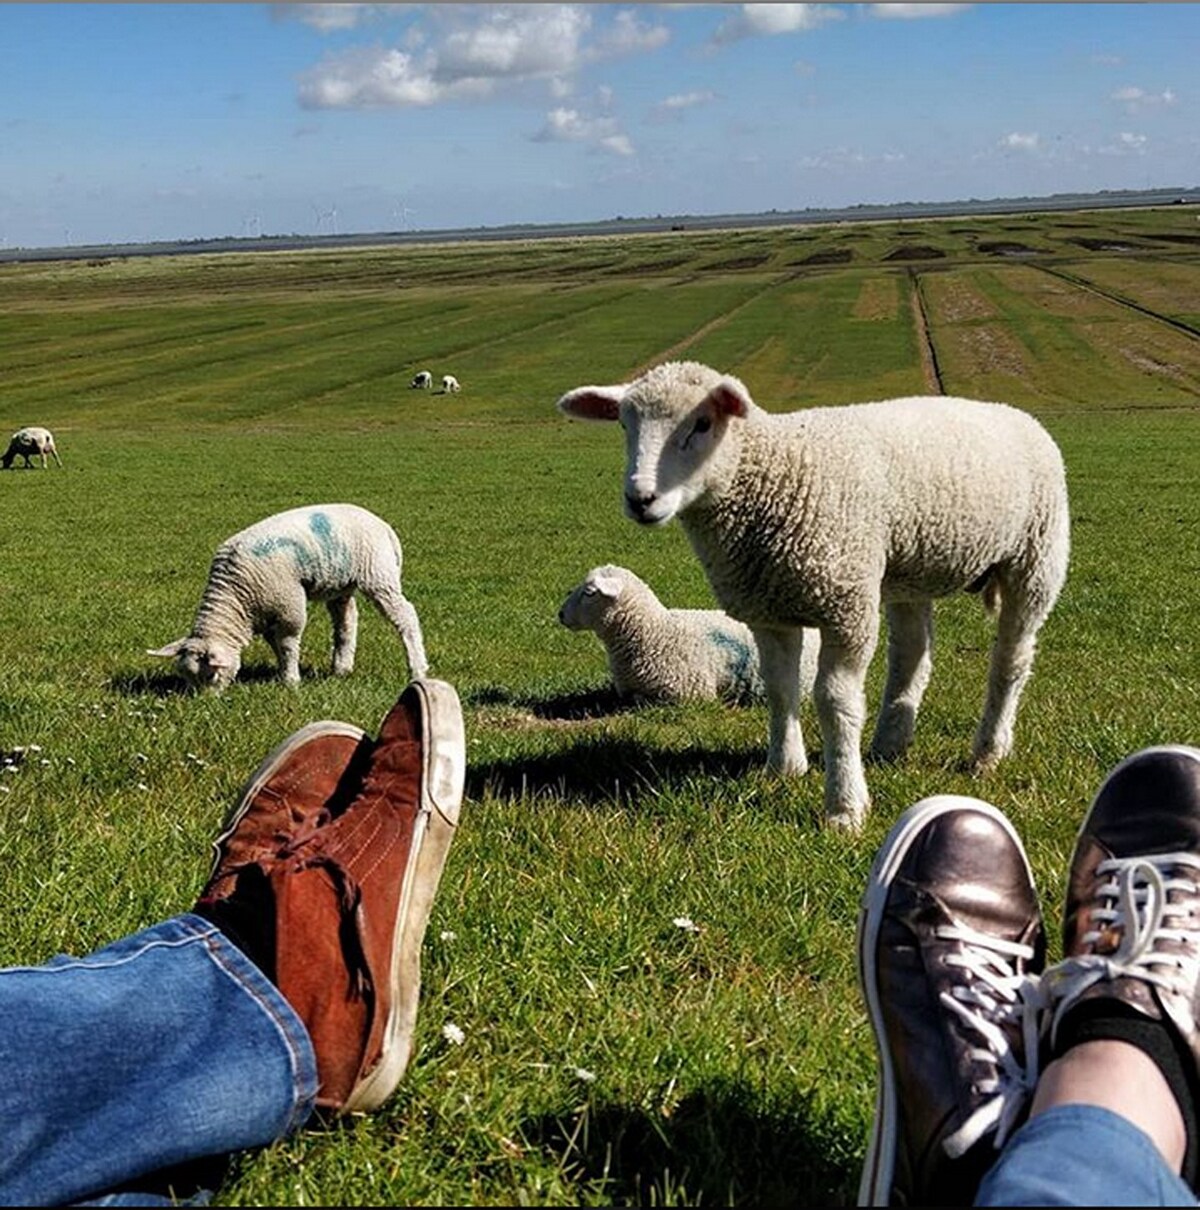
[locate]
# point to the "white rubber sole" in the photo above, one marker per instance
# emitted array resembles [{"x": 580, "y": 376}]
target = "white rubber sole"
[
  {"x": 879, "y": 1166},
  {"x": 443, "y": 745}
]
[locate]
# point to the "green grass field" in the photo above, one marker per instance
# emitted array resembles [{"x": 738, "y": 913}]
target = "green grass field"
[{"x": 609, "y": 1056}]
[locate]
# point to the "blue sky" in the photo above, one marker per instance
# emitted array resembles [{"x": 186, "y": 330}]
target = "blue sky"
[{"x": 144, "y": 121}]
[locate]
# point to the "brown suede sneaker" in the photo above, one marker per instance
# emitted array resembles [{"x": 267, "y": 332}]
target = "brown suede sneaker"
[
  {"x": 1132, "y": 920},
  {"x": 949, "y": 936},
  {"x": 311, "y": 776},
  {"x": 351, "y": 901}
]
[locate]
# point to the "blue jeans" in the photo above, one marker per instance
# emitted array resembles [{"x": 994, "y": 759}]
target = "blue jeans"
[
  {"x": 162, "y": 1048},
  {"x": 1081, "y": 1155}
]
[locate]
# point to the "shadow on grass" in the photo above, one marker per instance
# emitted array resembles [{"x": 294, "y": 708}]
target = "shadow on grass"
[
  {"x": 717, "y": 1147},
  {"x": 580, "y": 704},
  {"x": 165, "y": 682},
  {"x": 604, "y": 770}
]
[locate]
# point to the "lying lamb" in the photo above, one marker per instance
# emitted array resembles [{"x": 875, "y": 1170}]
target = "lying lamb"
[
  {"x": 668, "y": 655},
  {"x": 825, "y": 516},
  {"x": 31, "y": 442},
  {"x": 262, "y": 578}
]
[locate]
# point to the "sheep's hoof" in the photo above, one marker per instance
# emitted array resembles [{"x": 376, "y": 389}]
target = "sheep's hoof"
[
  {"x": 848, "y": 820},
  {"x": 983, "y": 764}
]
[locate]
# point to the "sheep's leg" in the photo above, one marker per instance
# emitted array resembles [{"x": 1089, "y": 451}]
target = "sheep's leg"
[
  {"x": 1021, "y": 617},
  {"x": 841, "y": 703},
  {"x": 343, "y": 612},
  {"x": 779, "y": 656},
  {"x": 57, "y": 459},
  {"x": 394, "y": 606},
  {"x": 284, "y": 634},
  {"x": 910, "y": 660}
]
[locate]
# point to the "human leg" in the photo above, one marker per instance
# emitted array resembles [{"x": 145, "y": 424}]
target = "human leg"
[{"x": 167, "y": 1047}]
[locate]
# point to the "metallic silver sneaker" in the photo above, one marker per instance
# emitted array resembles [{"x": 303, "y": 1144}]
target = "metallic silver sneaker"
[
  {"x": 1131, "y": 929},
  {"x": 950, "y": 941}
]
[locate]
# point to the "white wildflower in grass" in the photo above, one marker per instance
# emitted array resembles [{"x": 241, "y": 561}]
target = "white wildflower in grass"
[
  {"x": 35, "y": 747},
  {"x": 142, "y": 786},
  {"x": 686, "y": 923},
  {"x": 5, "y": 789},
  {"x": 448, "y": 935},
  {"x": 140, "y": 756},
  {"x": 44, "y": 761},
  {"x": 582, "y": 1073},
  {"x": 70, "y": 760},
  {"x": 453, "y": 1034}
]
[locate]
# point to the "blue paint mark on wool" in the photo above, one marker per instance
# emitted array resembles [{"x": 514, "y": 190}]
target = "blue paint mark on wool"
[
  {"x": 332, "y": 557},
  {"x": 739, "y": 657}
]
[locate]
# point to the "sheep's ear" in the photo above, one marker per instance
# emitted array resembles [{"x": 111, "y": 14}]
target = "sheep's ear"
[
  {"x": 608, "y": 586},
  {"x": 729, "y": 397},
  {"x": 592, "y": 403},
  {"x": 169, "y": 651}
]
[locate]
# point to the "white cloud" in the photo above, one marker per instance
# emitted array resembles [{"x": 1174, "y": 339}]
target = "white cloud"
[
  {"x": 770, "y": 19},
  {"x": 911, "y": 12},
  {"x": 1017, "y": 141},
  {"x": 1126, "y": 143},
  {"x": 471, "y": 51},
  {"x": 1107, "y": 60},
  {"x": 570, "y": 126},
  {"x": 846, "y": 157},
  {"x": 672, "y": 108},
  {"x": 1134, "y": 98},
  {"x": 330, "y": 17},
  {"x": 628, "y": 35}
]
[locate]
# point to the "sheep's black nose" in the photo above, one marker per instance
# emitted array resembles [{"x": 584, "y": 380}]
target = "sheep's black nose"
[{"x": 638, "y": 503}]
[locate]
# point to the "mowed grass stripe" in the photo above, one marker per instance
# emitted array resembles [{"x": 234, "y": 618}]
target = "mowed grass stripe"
[{"x": 1045, "y": 348}]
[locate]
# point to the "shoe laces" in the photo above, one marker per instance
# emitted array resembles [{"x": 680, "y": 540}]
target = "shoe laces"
[
  {"x": 997, "y": 1003},
  {"x": 1135, "y": 907}
]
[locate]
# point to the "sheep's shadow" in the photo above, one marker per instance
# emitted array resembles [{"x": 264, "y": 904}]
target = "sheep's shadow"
[
  {"x": 165, "y": 682},
  {"x": 717, "y": 1142},
  {"x": 598, "y": 702},
  {"x": 603, "y": 770}
]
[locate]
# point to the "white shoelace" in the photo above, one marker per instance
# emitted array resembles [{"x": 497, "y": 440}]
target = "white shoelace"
[
  {"x": 994, "y": 1000},
  {"x": 1134, "y": 903}
]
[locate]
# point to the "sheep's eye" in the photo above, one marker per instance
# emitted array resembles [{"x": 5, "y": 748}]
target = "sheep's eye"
[
  {"x": 703, "y": 424},
  {"x": 590, "y": 590}
]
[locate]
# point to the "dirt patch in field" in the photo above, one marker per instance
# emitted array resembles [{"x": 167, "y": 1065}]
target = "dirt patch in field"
[
  {"x": 877, "y": 299},
  {"x": 915, "y": 252},
  {"x": 1107, "y": 245},
  {"x": 1179, "y": 239},
  {"x": 742, "y": 262},
  {"x": 1000, "y": 247},
  {"x": 828, "y": 256},
  {"x": 954, "y": 301},
  {"x": 1152, "y": 365},
  {"x": 989, "y": 350},
  {"x": 650, "y": 268},
  {"x": 1057, "y": 296}
]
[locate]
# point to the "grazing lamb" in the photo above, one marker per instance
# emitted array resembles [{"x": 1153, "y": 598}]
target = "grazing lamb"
[
  {"x": 422, "y": 382},
  {"x": 668, "y": 655},
  {"x": 825, "y": 516},
  {"x": 31, "y": 442},
  {"x": 262, "y": 578},
  {"x": 449, "y": 383}
]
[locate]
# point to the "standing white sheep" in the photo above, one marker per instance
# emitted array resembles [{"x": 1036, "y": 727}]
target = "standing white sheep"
[
  {"x": 668, "y": 655},
  {"x": 262, "y": 579},
  {"x": 31, "y": 442},
  {"x": 449, "y": 383},
  {"x": 825, "y": 516},
  {"x": 422, "y": 382}
]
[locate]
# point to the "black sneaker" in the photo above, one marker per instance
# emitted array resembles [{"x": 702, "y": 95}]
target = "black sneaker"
[{"x": 950, "y": 940}]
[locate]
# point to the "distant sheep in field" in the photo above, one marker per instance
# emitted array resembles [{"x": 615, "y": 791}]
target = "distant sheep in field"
[
  {"x": 422, "y": 382},
  {"x": 262, "y": 578},
  {"x": 827, "y": 516},
  {"x": 31, "y": 442},
  {"x": 449, "y": 383},
  {"x": 667, "y": 655}
]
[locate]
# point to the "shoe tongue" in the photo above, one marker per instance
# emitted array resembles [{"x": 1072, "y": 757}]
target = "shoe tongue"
[
  {"x": 1149, "y": 806},
  {"x": 398, "y": 726}
]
